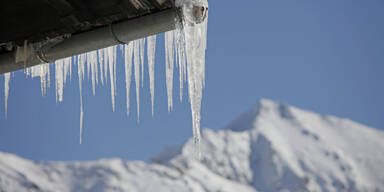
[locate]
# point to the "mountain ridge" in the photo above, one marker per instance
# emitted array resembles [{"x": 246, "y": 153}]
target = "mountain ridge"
[{"x": 272, "y": 147}]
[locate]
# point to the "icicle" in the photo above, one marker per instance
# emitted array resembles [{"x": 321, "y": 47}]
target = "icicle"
[
  {"x": 105, "y": 54},
  {"x": 59, "y": 79},
  {"x": 101, "y": 62},
  {"x": 43, "y": 82},
  {"x": 151, "y": 49},
  {"x": 41, "y": 71},
  {"x": 7, "y": 78},
  {"x": 136, "y": 62},
  {"x": 128, "y": 52},
  {"x": 141, "y": 47},
  {"x": 112, "y": 71},
  {"x": 66, "y": 65},
  {"x": 80, "y": 72},
  {"x": 180, "y": 53},
  {"x": 88, "y": 67},
  {"x": 70, "y": 70},
  {"x": 169, "y": 62},
  {"x": 25, "y": 53},
  {"x": 114, "y": 67},
  {"x": 43, "y": 78},
  {"x": 92, "y": 62},
  {"x": 195, "y": 31},
  {"x": 95, "y": 69},
  {"x": 48, "y": 76}
]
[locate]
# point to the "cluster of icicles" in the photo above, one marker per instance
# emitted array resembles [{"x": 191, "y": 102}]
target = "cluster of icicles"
[{"x": 184, "y": 48}]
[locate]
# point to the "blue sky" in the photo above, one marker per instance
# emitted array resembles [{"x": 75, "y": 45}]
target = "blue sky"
[{"x": 325, "y": 56}]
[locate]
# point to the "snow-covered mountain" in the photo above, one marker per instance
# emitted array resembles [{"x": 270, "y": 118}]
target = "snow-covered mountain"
[{"x": 273, "y": 147}]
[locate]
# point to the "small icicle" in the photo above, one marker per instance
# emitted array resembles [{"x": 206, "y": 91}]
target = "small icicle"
[
  {"x": 44, "y": 77},
  {"x": 105, "y": 54},
  {"x": 88, "y": 66},
  {"x": 70, "y": 70},
  {"x": 112, "y": 72},
  {"x": 114, "y": 66},
  {"x": 96, "y": 67},
  {"x": 169, "y": 63},
  {"x": 25, "y": 53},
  {"x": 128, "y": 52},
  {"x": 59, "y": 79},
  {"x": 92, "y": 62},
  {"x": 180, "y": 53},
  {"x": 151, "y": 49},
  {"x": 41, "y": 71},
  {"x": 80, "y": 72},
  {"x": 81, "y": 121},
  {"x": 65, "y": 69},
  {"x": 136, "y": 50},
  {"x": 7, "y": 78},
  {"x": 141, "y": 47},
  {"x": 101, "y": 62}
]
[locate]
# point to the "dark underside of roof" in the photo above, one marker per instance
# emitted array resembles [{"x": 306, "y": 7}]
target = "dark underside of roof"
[{"x": 37, "y": 20}]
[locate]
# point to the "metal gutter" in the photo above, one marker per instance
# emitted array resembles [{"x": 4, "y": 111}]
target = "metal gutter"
[{"x": 114, "y": 34}]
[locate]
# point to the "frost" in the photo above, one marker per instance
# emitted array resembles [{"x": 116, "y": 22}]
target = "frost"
[{"x": 184, "y": 48}]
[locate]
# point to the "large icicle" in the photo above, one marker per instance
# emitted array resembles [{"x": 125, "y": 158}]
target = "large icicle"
[
  {"x": 169, "y": 62},
  {"x": 151, "y": 49},
  {"x": 128, "y": 52},
  {"x": 195, "y": 31},
  {"x": 7, "y": 78}
]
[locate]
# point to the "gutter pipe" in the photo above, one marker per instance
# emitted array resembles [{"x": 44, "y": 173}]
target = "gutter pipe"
[{"x": 118, "y": 33}]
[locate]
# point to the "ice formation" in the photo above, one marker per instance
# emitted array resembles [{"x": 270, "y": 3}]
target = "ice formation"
[
  {"x": 7, "y": 78},
  {"x": 151, "y": 48},
  {"x": 136, "y": 51},
  {"x": 169, "y": 60},
  {"x": 195, "y": 37},
  {"x": 185, "y": 48}
]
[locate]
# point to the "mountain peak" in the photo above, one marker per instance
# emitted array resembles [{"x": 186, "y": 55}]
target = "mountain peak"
[
  {"x": 265, "y": 107},
  {"x": 264, "y": 102}
]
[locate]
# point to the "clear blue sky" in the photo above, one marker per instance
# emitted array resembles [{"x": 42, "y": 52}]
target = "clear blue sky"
[{"x": 325, "y": 56}]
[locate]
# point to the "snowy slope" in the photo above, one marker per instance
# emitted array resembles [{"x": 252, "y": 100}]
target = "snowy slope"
[{"x": 273, "y": 147}]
